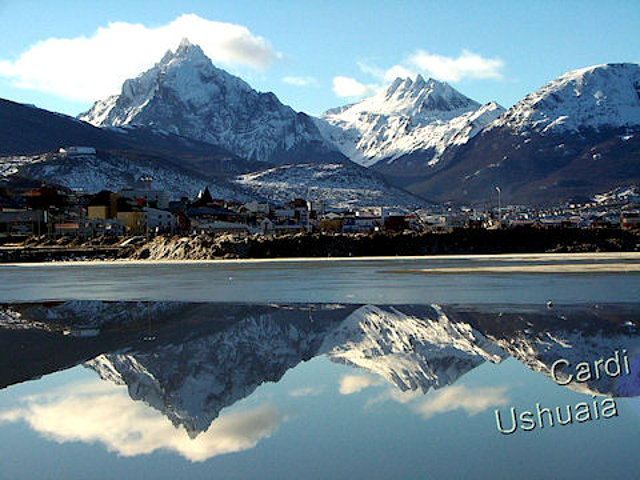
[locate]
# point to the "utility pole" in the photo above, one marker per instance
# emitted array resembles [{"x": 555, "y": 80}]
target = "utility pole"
[{"x": 499, "y": 204}]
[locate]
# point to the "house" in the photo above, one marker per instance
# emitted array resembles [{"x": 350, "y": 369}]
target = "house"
[
  {"x": 266, "y": 226},
  {"x": 215, "y": 219},
  {"x": 103, "y": 227},
  {"x": 133, "y": 218},
  {"x": 254, "y": 207},
  {"x": 160, "y": 220},
  {"x": 155, "y": 198},
  {"x": 67, "y": 229},
  {"x": 45, "y": 197},
  {"x": 77, "y": 150},
  {"x": 103, "y": 205},
  {"x": 361, "y": 223},
  {"x": 630, "y": 220},
  {"x": 22, "y": 222}
]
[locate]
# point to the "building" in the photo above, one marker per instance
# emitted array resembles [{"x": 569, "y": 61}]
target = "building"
[
  {"x": 103, "y": 227},
  {"x": 160, "y": 221},
  {"x": 630, "y": 220},
  {"x": 77, "y": 150},
  {"x": 133, "y": 218},
  {"x": 155, "y": 198},
  {"x": 103, "y": 205},
  {"x": 21, "y": 222}
]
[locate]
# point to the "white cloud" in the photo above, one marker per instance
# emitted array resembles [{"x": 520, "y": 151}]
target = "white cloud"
[
  {"x": 397, "y": 71},
  {"x": 306, "y": 392},
  {"x": 301, "y": 81},
  {"x": 458, "y": 397},
  {"x": 90, "y": 68},
  {"x": 100, "y": 412},
  {"x": 356, "y": 383},
  {"x": 350, "y": 87},
  {"x": 466, "y": 65}
]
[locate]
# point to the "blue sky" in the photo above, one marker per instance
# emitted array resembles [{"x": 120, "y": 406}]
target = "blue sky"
[{"x": 313, "y": 55}]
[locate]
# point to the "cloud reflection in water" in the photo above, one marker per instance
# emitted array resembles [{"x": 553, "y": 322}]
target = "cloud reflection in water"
[{"x": 98, "y": 412}]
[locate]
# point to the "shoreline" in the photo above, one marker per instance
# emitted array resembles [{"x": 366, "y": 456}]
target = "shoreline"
[
  {"x": 518, "y": 243},
  {"x": 505, "y": 257}
]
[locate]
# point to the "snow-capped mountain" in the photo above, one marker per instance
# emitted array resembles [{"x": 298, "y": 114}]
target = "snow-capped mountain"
[
  {"x": 192, "y": 380},
  {"x": 411, "y": 114},
  {"x": 30, "y": 139},
  {"x": 576, "y": 136},
  {"x": 414, "y": 348},
  {"x": 337, "y": 184},
  {"x": 538, "y": 337},
  {"x": 191, "y": 360},
  {"x": 186, "y": 94},
  {"x": 597, "y": 97}
]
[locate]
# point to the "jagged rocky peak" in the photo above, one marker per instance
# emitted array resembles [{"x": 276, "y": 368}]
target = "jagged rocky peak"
[
  {"x": 410, "y": 114},
  {"x": 186, "y": 73},
  {"x": 185, "y": 50},
  {"x": 412, "y": 347},
  {"x": 426, "y": 95},
  {"x": 186, "y": 94},
  {"x": 594, "y": 97}
]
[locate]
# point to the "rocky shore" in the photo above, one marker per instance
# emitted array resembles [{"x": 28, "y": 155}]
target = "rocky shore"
[
  {"x": 513, "y": 240},
  {"x": 229, "y": 246}
]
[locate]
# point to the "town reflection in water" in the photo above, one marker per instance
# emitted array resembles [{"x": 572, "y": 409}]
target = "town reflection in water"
[{"x": 187, "y": 362}]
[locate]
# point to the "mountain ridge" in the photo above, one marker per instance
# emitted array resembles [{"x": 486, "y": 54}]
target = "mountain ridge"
[
  {"x": 574, "y": 137},
  {"x": 409, "y": 115},
  {"x": 184, "y": 93}
]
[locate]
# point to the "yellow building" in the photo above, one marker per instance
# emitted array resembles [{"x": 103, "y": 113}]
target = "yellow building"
[
  {"x": 133, "y": 220},
  {"x": 103, "y": 206}
]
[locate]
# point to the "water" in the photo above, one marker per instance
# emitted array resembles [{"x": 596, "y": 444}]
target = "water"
[
  {"x": 355, "y": 281},
  {"x": 315, "y": 369}
]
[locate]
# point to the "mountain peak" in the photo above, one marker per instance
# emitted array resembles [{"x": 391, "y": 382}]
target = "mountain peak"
[
  {"x": 185, "y": 51},
  {"x": 415, "y": 95},
  {"x": 411, "y": 114},
  {"x": 404, "y": 84},
  {"x": 186, "y": 94},
  {"x": 594, "y": 97},
  {"x": 184, "y": 43}
]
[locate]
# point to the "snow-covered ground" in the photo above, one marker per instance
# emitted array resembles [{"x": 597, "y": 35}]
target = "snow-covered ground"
[
  {"x": 93, "y": 173},
  {"x": 335, "y": 184}
]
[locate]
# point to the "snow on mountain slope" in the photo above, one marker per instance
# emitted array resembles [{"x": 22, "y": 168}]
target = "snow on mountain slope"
[
  {"x": 93, "y": 173},
  {"x": 417, "y": 348},
  {"x": 627, "y": 194},
  {"x": 409, "y": 115},
  {"x": 337, "y": 184},
  {"x": 538, "y": 336},
  {"x": 186, "y": 94},
  {"x": 575, "y": 137},
  {"x": 588, "y": 98},
  {"x": 192, "y": 380}
]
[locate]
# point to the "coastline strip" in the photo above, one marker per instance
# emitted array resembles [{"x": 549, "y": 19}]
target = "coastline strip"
[{"x": 510, "y": 257}]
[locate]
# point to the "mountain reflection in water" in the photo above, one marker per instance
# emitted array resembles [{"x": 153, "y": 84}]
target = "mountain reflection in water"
[{"x": 189, "y": 361}]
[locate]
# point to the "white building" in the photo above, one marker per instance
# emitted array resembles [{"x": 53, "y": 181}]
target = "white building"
[
  {"x": 160, "y": 220},
  {"x": 157, "y": 197},
  {"x": 77, "y": 150}
]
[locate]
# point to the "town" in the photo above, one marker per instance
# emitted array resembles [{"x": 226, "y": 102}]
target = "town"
[{"x": 55, "y": 212}]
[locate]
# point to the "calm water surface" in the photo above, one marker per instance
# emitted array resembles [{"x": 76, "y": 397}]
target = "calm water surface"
[{"x": 316, "y": 370}]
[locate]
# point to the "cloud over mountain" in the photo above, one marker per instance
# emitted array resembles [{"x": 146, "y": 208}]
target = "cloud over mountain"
[{"x": 93, "y": 67}]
